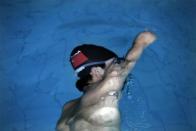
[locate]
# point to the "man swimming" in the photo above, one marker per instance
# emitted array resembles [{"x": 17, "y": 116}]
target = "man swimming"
[{"x": 102, "y": 75}]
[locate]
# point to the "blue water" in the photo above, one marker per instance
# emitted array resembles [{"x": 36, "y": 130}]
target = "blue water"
[{"x": 36, "y": 79}]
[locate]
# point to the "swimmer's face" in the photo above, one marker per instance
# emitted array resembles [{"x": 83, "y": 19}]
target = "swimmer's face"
[{"x": 97, "y": 72}]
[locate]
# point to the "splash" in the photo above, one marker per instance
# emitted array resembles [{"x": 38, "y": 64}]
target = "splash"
[
  {"x": 128, "y": 85},
  {"x": 133, "y": 106}
]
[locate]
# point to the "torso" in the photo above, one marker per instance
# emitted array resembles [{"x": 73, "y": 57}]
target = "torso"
[{"x": 103, "y": 115}]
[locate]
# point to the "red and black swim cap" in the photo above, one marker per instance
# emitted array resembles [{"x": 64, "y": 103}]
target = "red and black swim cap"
[{"x": 88, "y": 55}]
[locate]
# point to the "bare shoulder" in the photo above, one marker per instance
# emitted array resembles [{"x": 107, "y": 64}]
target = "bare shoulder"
[
  {"x": 70, "y": 104},
  {"x": 67, "y": 112},
  {"x": 69, "y": 108}
]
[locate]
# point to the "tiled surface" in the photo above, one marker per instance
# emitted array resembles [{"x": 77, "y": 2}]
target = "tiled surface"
[{"x": 36, "y": 38}]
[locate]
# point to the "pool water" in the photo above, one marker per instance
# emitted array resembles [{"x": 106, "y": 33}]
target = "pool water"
[{"x": 36, "y": 78}]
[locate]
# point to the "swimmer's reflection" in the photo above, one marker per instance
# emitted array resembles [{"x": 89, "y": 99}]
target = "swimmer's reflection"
[{"x": 102, "y": 75}]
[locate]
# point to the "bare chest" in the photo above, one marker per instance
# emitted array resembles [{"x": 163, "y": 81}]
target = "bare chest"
[
  {"x": 99, "y": 119},
  {"x": 103, "y": 116}
]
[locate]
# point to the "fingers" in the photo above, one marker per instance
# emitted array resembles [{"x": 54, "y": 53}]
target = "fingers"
[{"x": 145, "y": 38}]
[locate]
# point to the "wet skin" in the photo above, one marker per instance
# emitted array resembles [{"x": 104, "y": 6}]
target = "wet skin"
[{"x": 97, "y": 109}]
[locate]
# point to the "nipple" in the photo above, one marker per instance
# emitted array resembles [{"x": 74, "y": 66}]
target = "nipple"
[{"x": 112, "y": 93}]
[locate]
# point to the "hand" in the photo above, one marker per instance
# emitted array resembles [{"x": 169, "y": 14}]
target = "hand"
[{"x": 145, "y": 38}]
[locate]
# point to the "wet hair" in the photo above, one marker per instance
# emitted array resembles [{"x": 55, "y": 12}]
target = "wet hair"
[
  {"x": 83, "y": 82},
  {"x": 94, "y": 53}
]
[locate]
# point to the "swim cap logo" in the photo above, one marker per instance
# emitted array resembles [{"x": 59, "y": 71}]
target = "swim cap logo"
[{"x": 78, "y": 58}]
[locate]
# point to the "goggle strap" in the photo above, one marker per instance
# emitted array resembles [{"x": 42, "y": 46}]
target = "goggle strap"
[{"x": 88, "y": 64}]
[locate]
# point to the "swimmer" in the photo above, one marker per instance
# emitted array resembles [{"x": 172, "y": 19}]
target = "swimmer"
[{"x": 101, "y": 77}]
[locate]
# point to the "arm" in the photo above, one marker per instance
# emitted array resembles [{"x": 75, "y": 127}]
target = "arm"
[
  {"x": 107, "y": 84},
  {"x": 142, "y": 41}
]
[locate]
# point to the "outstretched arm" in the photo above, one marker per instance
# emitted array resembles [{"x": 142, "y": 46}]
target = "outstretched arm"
[
  {"x": 143, "y": 40},
  {"x": 107, "y": 84}
]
